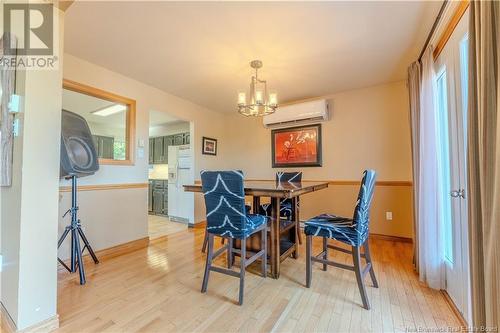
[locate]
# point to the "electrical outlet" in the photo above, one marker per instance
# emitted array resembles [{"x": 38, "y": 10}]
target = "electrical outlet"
[
  {"x": 16, "y": 127},
  {"x": 388, "y": 216}
]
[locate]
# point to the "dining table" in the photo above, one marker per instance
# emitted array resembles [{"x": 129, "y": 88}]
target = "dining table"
[{"x": 283, "y": 235}]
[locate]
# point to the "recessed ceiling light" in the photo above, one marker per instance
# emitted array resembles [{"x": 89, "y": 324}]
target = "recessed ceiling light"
[{"x": 109, "y": 110}]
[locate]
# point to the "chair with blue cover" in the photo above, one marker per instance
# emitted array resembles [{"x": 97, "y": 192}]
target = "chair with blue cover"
[
  {"x": 286, "y": 205},
  {"x": 227, "y": 217},
  {"x": 351, "y": 231}
]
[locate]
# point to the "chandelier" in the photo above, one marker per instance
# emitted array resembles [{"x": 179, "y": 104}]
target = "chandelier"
[{"x": 261, "y": 103}]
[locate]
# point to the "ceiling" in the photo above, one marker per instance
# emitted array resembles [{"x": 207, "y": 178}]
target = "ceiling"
[
  {"x": 201, "y": 51},
  {"x": 159, "y": 118}
]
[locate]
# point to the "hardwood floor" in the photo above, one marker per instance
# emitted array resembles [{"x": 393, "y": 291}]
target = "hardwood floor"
[
  {"x": 157, "y": 289},
  {"x": 159, "y": 226}
]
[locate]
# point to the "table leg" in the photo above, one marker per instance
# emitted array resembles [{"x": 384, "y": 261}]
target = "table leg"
[
  {"x": 275, "y": 238},
  {"x": 296, "y": 230},
  {"x": 256, "y": 205}
]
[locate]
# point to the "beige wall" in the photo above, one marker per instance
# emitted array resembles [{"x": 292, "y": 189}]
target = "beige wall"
[
  {"x": 29, "y": 206},
  {"x": 369, "y": 128}
]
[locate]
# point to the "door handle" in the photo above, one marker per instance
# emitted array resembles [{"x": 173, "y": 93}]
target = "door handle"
[{"x": 458, "y": 193}]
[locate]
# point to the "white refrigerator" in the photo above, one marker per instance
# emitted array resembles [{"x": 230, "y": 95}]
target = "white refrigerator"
[{"x": 180, "y": 202}]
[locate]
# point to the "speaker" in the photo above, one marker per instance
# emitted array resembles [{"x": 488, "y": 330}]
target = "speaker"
[{"x": 78, "y": 153}]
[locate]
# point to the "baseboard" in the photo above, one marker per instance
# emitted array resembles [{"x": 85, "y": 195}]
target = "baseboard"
[
  {"x": 47, "y": 325},
  {"x": 115, "y": 251},
  {"x": 391, "y": 238},
  {"x": 454, "y": 308}
]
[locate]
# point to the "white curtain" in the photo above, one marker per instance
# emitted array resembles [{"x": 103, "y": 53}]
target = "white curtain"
[{"x": 429, "y": 227}]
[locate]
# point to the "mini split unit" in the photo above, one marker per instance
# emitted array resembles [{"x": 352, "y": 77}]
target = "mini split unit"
[{"x": 298, "y": 114}]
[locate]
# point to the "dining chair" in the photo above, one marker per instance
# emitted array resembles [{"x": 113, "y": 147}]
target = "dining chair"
[
  {"x": 227, "y": 217},
  {"x": 353, "y": 232},
  {"x": 286, "y": 205}
]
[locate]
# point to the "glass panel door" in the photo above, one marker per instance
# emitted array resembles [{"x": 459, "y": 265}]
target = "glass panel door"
[{"x": 451, "y": 110}]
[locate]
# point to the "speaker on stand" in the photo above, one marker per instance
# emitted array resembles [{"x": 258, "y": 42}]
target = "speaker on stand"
[{"x": 78, "y": 159}]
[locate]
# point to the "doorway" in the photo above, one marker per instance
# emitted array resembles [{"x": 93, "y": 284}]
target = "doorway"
[
  {"x": 170, "y": 167},
  {"x": 451, "y": 101}
]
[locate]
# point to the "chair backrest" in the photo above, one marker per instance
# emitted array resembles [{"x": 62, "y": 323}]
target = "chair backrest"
[
  {"x": 291, "y": 177},
  {"x": 362, "y": 211},
  {"x": 225, "y": 202}
]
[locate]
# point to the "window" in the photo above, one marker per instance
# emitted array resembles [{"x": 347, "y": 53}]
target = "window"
[
  {"x": 442, "y": 115},
  {"x": 111, "y": 119}
]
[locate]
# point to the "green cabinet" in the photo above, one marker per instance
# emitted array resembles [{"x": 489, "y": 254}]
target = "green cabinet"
[
  {"x": 151, "y": 150},
  {"x": 104, "y": 146},
  {"x": 178, "y": 139},
  {"x": 158, "y": 157},
  {"x": 167, "y": 142},
  {"x": 158, "y": 200},
  {"x": 158, "y": 146}
]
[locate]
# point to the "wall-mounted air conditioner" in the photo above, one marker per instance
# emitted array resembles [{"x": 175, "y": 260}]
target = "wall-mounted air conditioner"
[{"x": 298, "y": 114}]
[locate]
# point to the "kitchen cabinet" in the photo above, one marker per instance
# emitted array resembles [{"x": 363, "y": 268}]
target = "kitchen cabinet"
[
  {"x": 150, "y": 196},
  {"x": 167, "y": 142},
  {"x": 158, "y": 146},
  {"x": 158, "y": 200},
  {"x": 104, "y": 146},
  {"x": 178, "y": 139},
  {"x": 151, "y": 150},
  {"x": 158, "y": 157}
]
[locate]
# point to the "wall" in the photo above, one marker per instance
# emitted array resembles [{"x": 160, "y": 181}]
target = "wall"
[
  {"x": 29, "y": 206},
  {"x": 126, "y": 219},
  {"x": 369, "y": 128}
]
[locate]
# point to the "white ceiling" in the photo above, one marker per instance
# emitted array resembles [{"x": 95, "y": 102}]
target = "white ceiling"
[
  {"x": 200, "y": 51},
  {"x": 159, "y": 118}
]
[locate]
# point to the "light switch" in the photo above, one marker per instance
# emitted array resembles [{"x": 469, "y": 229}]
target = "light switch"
[
  {"x": 14, "y": 104},
  {"x": 388, "y": 216}
]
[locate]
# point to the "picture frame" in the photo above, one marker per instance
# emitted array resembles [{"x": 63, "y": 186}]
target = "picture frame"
[
  {"x": 299, "y": 146},
  {"x": 209, "y": 146}
]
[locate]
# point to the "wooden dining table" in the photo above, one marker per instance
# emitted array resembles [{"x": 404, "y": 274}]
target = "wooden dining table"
[{"x": 283, "y": 236}]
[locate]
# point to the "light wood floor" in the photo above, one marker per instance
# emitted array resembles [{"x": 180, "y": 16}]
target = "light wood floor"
[
  {"x": 159, "y": 226},
  {"x": 158, "y": 290}
]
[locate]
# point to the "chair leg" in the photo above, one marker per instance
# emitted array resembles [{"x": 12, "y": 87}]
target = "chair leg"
[
  {"x": 205, "y": 242},
  {"x": 369, "y": 260},
  {"x": 242, "y": 270},
  {"x": 359, "y": 276},
  {"x": 230, "y": 253},
  {"x": 325, "y": 250},
  {"x": 308, "y": 260},
  {"x": 208, "y": 262},
  {"x": 263, "y": 246}
]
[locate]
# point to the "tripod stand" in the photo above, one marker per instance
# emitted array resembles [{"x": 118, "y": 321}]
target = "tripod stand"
[{"x": 76, "y": 234}]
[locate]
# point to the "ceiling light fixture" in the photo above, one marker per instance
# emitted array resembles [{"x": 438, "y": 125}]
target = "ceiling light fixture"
[
  {"x": 109, "y": 110},
  {"x": 261, "y": 102}
]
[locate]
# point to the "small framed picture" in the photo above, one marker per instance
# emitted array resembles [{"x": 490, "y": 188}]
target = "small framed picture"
[{"x": 209, "y": 146}]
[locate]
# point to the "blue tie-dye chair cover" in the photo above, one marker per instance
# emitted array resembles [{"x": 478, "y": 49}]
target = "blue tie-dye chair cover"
[
  {"x": 225, "y": 204},
  {"x": 285, "y": 204},
  {"x": 350, "y": 231}
]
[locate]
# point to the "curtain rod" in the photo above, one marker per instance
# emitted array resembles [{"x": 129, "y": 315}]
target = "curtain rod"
[{"x": 434, "y": 26}]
